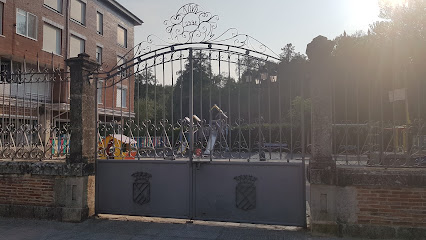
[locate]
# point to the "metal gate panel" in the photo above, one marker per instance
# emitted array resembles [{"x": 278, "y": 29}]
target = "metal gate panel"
[
  {"x": 253, "y": 192},
  {"x": 144, "y": 188}
]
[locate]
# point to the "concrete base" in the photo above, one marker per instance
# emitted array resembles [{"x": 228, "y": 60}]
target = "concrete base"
[
  {"x": 380, "y": 232},
  {"x": 43, "y": 212},
  {"x": 325, "y": 228},
  {"x": 74, "y": 214}
]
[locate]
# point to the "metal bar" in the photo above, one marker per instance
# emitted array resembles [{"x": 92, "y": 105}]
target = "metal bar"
[
  {"x": 201, "y": 130},
  {"x": 172, "y": 109},
  {"x": 138, "y": 117},
  {"x": 220, "y": 104},
  {"x": 164, "y": 111},
  {"x": 249, "y": 110},
  {"x": 358, "y": 154},
  {"x": 96, "y": 147},
  {"x": 191, "y": 137},
  {"x": 269, "y": 115},
  {"x": 333, "y": 113},
  {"x": 280, "y": 112},
  {"x": 181, "y": 88},
  {"x": 201, "y": 87},
  {"x": 259, "y": 93},
  {"x": 191, "y": 105},
  {"x": 381, "y": 85},
  {"x": 210, "y": 102},
  {"x": 346, "y": 119},
  {"x": 302, "y": 122},
  {"x": 229, "y": 109},
  {"x": 155, "y": 110},
  {"x": 291, "y": 117},
  {"x": 239, "y": 107},
  {"x": 105, "y": 115}
]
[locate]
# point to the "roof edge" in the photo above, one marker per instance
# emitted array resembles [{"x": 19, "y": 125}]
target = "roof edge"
[{"x": 136, "y": 21}]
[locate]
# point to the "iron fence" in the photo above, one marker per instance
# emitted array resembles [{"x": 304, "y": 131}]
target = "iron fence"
[
  {"x": 34, "y": 105},
  {"x": 240, "y": 106},
  {"x": 378, "y": 118}
]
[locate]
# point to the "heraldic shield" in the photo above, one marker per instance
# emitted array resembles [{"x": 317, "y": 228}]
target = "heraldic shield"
[
  {"x": 245, "y": 191},
  {"x": 141, "y": 188}
]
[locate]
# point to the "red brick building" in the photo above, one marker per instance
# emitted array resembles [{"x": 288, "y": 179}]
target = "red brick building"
[{"x": 44, "y": 33}]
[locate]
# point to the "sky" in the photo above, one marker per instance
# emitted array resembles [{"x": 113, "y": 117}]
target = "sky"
[{"x": 273, "y": 22}]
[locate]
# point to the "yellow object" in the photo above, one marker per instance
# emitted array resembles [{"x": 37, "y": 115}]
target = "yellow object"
[{"x": 112, "y": 147}]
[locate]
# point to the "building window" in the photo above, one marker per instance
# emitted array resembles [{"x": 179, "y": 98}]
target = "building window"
[
  {"x": 76, "y": 46},
  {"x": 5, "y": 69},
  {"x": 78, "y": 11},
  {"x": 1, "y": 18},
  {"x": 99, "y": 54},
  {"x": 121, "y": 97},
  {"x": 55, "y": 5},
  {"x": 122, "y": 67},
  {"x": 100, "y": 23},
  {"x": 121, "y": 36},
  {"x": 26, "y": 24},
  {"x": 99, "y": 89},
  {"x": 52, "y": 39}
]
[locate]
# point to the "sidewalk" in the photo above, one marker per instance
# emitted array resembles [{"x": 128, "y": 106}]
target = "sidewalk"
[{"x": 126, "y": 227}]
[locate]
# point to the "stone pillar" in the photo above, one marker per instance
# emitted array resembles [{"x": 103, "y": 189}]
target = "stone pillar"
[
  {"x": 322, "y": 165},
  {"x": 82, "y": 109},
  {"x": 76, "y": 193},
  {"x": 322, "y": 168}
]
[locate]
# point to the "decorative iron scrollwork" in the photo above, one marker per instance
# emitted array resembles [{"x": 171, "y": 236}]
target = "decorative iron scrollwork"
[
  {"x": 245, "y": 192},
  {"x": 191, "y": 24},
  {"x": 141, "y": 188}
]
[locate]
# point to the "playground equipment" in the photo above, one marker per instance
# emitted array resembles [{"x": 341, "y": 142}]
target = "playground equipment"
[
  {"x": 183, "y": 144},
  {"x": 117, "y": 146},
  {"x": 217, "y": 129}
]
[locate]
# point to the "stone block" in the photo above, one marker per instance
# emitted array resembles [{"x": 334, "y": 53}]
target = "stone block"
[
  {"x": 50, "y": 213},
  {"x": 367, "y": 231},
  {"x": 323, "y": 203},
  {"x": 22, "y": 211},
  {"x": 325, "y": 228},
  {"x": 4, "y": 210},
  {"x": 411, "y": 233},
  {"x": 74, "y": 214}
]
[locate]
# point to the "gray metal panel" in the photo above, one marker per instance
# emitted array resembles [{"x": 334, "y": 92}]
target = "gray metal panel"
[
  {"x": 166, "y": 191},
  {"x": 278, "y": 192}
]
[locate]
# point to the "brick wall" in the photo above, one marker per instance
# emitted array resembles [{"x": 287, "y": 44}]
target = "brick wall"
[
  {"x": 16, "y": 47},
  {"x": 392, "y": 206},
  {"x": 57, "y": 191},
  {"x": 27, "y": 190}
]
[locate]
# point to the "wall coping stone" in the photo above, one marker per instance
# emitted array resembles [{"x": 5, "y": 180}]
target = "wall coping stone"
[
  {"x": 381, "y": 177},
  {"x": 47, "y": 168}
]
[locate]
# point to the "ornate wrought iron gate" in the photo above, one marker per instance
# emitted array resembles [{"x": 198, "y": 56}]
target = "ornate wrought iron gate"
[{"x": 200, "y": 129}]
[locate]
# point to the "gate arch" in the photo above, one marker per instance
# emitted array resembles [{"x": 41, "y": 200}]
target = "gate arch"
[
  {"x": 251, "y": 61},
  {"x": 190, "y": 104}
]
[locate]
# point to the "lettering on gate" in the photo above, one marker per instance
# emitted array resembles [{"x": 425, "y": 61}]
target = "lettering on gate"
[
  {"x": 245, "y": 192},
  {"x": 141, "y": 188}
]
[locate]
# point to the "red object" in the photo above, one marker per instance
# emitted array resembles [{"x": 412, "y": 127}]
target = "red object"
[{"x": 198, "y": 152}]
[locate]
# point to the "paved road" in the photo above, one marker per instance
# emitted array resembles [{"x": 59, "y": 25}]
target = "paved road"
[{"x": 117, "y": 227}]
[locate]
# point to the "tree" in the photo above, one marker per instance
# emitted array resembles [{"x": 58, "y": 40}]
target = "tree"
[{"x": 289, "y": 54}]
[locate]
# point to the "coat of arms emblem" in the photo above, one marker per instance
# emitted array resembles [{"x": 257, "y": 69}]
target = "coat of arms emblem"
[
  {"x": 141, "y": 188},
  {"x": 245, "y": 192}
]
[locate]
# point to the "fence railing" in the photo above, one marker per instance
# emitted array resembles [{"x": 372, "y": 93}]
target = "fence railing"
[
  {"x": 379, "y": 121},
  {"x": 241, "y": 108},
  {"x": 34, "y": 108}
]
